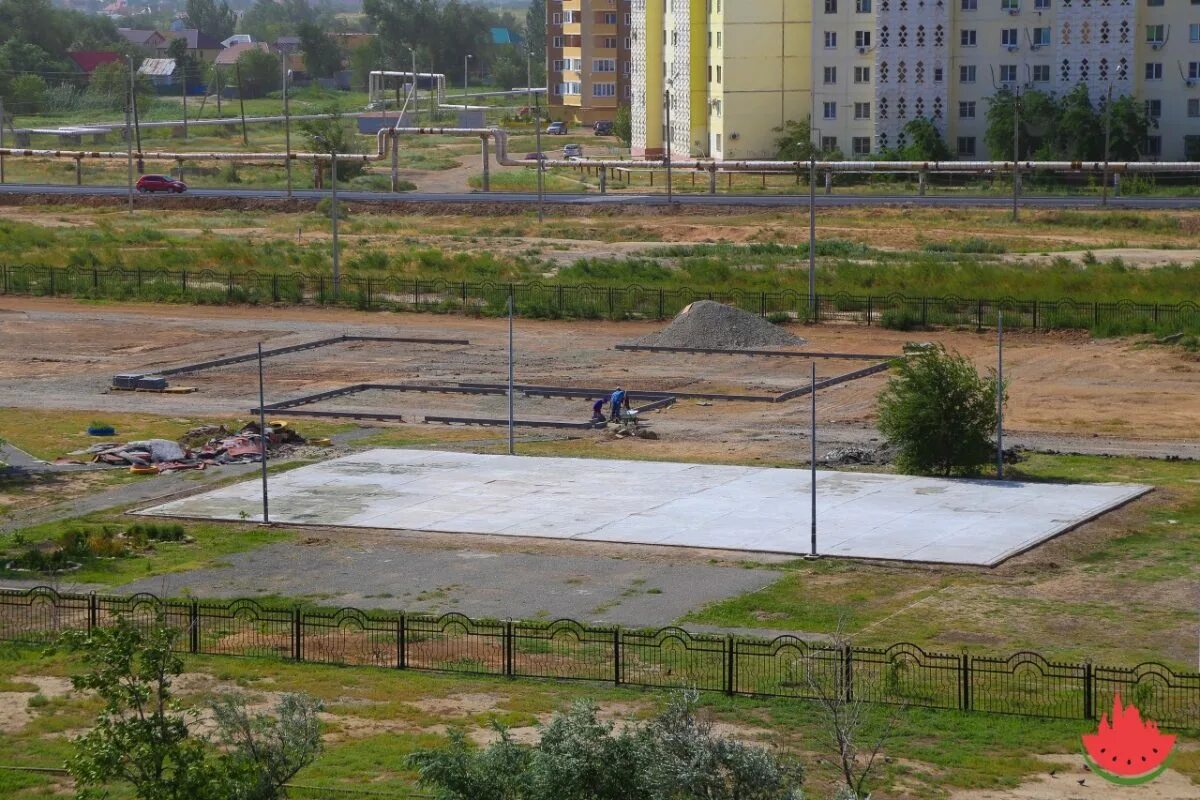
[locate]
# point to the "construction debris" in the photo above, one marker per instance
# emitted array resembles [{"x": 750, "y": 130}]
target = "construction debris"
[
  {"x": 208, "y": 445},
  {"x": 706, "y": 323}
]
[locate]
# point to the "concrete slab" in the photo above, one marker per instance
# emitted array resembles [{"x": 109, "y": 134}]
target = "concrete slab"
[{"x": 861, "y": 515}]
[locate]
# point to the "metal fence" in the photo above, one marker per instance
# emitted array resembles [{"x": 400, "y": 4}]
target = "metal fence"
[
  {"x": 583, "y": 301},
  {"x": 1025, "y": 683}
]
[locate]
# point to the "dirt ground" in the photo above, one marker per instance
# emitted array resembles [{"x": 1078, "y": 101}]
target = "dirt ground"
[{"x": 1066, "y": 388}]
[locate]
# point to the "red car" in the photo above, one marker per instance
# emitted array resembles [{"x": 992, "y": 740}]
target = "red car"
[{"x": 160, "y": 183}]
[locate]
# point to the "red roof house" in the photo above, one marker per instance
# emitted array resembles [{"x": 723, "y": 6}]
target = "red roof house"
[{"x": 88, "y": 60}]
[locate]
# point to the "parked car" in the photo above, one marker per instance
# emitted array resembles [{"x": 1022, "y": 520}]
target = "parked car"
[
  {"x": 557, "y": 129},
  {"x": 160, "y": 183},
  {"x": 573, "y": 151},
  {"x": 535, "y": 156},
  {"x": 603, "y": 128}
]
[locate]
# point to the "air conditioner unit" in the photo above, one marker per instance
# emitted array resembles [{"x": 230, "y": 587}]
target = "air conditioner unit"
[
  {"x": 1190, "y": 82},
  {"x": 1012, "y": 48},
  {"x": 1156, "y": 45},
  {"x": 1012, "y": 12},
  {"x": 862, "y": 51}
]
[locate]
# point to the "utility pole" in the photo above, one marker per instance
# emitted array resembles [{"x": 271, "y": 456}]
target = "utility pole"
[
  {"x": 137, "y": 126},
  {"x": 184, "y": 76},
  {"x": 129, "y": 136},
  {"x": 813, "y": 463},
  {"x": 1107, "y": 145},
  {"x": 415, "y": 105},
  {"x": 337, "y": 271},
  {"x": 1000, "y": 394},
  {"x": 669, "y": 137},
  {"x": 512, "y": 445},
  {"x": 537, "y": 128},
  {"x": 812, "y": 237},
  {"x": 1, "y": 139},
  {"x": 262, "y": 429},
  {"x": 287, "y": 121},
  {"x": 466, "y": 87},
  {"x": 1016, "y": 151},
  {"x": 529, "y": 77},
  {"x": 237, "y": 68}
]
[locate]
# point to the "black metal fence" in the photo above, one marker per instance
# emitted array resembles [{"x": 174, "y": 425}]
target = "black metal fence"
[
  {"x": 537, "y": 299},
  {"x": 1025, "y": 683}
]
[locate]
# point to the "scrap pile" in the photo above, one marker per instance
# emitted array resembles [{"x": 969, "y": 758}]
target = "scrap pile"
[
  {"x": 209, "y": 445},
  {"x": 706, "y": 323}
]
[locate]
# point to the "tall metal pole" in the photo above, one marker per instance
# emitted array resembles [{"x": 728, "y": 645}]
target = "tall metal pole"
[
  {"x": 669, "y": 137},
  {"x": 1107, "y": 145},
  {"x": 466, "y": 87},
  {"x": 1, "y": 139},
  {"x": 511, "y": 422},
  {"x": 185, "y": 77},
  {"x": 287, "y": 120},
  {"x": 262, "y": 429},
  {"x": 813, "y": 238},
  {"x": 529, "y": 77},
  {"x": 337, "y": 271},
  {"x": 237, "y": 69},
  {"x": 541, "y": 180},
  {"x": 1016, "y": 150},
  {"x": 137, "y": 126},
  {"x": 1000, "y": 394},
  {"x": 813, "y": 461},
  {"x": 416, "y": 107},
  {"x": 129, "y": 138}
]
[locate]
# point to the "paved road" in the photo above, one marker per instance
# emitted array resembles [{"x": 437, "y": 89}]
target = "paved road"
[{"x": 630, "y": 199}]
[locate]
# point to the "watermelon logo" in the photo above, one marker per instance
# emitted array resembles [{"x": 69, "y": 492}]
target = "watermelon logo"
[{"x": 1127, "y": 751}]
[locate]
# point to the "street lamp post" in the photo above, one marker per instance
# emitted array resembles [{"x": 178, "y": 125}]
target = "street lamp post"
[
  {"x": 670, "y": 135},
  {"x": 466, "y": 78},
  {"x": 287, "y": 121},
  {"x": 333, "y": 210},
  {"x": 128, "y": 131},
  {"x": 537, "y": 129},
  {"x": 1016, "y": 151},
  {"x": 812, "y": 237},
  {"x": 1108, "y": 136}
]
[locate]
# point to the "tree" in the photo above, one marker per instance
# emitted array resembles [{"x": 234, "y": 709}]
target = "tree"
[
  {"x": 265, "y": 751},
  {"x": 261, "y": 73},
  {"x": 924, "y": 142},
  {"x": 795, "y": 141},
  {"x": 330, "y": 134},
  {"x": 218, "y": 21},
  {"x": 109, "y": 86},
  {"x": 267, "y": 20},
  {"x": 322, "y": 56},
  {"x": 676, "y": 756},
  {"x": 27, "y": 94},
  {"x": 535, "y": 38},
  {"x": 441, "y": 31},
  {"x": 509, "y": 67},
  {"x": 939, "y": 413},
  {"x": 1130, "y": 127},
  {"x": 623, "y": 124},
  {"x": 141, "y": 735},
  {"x": 186, "y": 68},
  {"x": 363, "y": 60}
]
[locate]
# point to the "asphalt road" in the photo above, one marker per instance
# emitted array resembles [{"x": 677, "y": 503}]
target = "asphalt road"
[{"x": 836, "y": 200}]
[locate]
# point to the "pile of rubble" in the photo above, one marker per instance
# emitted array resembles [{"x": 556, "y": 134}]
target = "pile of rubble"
[
  {"x": 199, "y": 448},
  {"x": 708, "y": 324}
]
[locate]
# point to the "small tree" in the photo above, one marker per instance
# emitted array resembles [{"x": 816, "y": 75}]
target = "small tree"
[
  {"x": 141, "y": 735},
  {"x": 925, "y": 143},
  {"x": 261, "y": 73},
  {"x": 623, "y": 125},
  {"x": 795, "y": 141},
  {"x": 322, "y": 56},
  {"x": 27, "y": 94},
  {"x": 265, "y": 751},
  {"x": 940, "y": 413},
  {"x": 331, "y": 135}
]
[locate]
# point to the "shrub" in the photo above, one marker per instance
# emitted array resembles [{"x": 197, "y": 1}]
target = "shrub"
[{"x": 939, "y": 413}]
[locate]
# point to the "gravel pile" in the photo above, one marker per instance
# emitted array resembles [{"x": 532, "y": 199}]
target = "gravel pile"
[{"x": 709, "y": 324}]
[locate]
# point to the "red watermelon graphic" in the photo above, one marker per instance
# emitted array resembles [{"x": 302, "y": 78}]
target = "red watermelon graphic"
[{"x": 1127, "y": 750}]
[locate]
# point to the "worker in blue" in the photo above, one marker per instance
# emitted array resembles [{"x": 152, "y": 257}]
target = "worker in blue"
[
  {"x": 618, "y": 399},
  {"x": 598, "y": 409}
]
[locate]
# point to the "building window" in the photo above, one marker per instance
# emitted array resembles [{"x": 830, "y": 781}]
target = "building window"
[
  {"x": 569, "y": 87},
  {"x": 609, "y": 43},
  {"x": 1193, "y": 70},
  {"x": 829, "y": 110},
  {"x": 828, "y": 144},
  {"x": 1154, "y": 108},
  {"x": 1041, "y": 73},
  {"x": 604, "y": 65},
  {"x": 718, "y": 40},
  {"x": 862, "y": 74},
  {"x": 830, "y": 6},
  {"x": 716, "y": 105},
  {"x": 718, "y": 73},
  {"x": 1194, "y": 32},
  {"x": 862, "y": 6},
  {"x": 610, "y": 18},
  {"x": 557, "y": 65},
  {"x": 717, "y": 142},
  {"x": 966, "y": 109},
  {"x": 1154, "y": 2},
  {"x": 1041, "y": 5},
  {"x": 861, "y": 145},
  {"x": 1041, "y": 37},
  {"x": 1155, "y": 34},
  {"x": 938, "y": 75},
  {"x": 556, "y": 43},
  {"x": 556, "y": 19},
  {"x": 966, "y": 146},
  {"x": 830, "y": 75},
  {"x": 1009, "y": 38},
  {"x": 1010, "y": 5},
  {"x": 862, "y": 38},
  {"x": 604, "y": 90},
  {"x": 966, "y": 73},
  {"x": 970, "y": 5},
  {"x": 1193, "y": 106},
  {"x": 1154, "y": 70},
  {"x": 1154, "y": 146},
  {"x": 967, "y": 38},
  {"x": 830, "y": 40},
  {"x": 862, "y": 110},
  {"x": 1008, "y": 73}
]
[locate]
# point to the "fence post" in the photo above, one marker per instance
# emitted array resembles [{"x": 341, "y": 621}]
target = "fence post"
[
  {"x": 96, "y": 285},
  {"x": 964, "y": 678},
  {"x": 617, "y": 649},
  {"x": 610, "y": 301},
  {"x": 558, "y": 298},
  {"x": 194, "y": 626},
  {"x": 762, "y": 304},
  {"x": 1156, "y": 313},
  {"x": 139, "y": 280},
  {"x": 1035, "y": 319},
  {"x": 661, "y": 304},
  {"x": 93, "y": 611},
  {"x": 416, "y": 293},
  {"x": 508, "y": 648},
  {"x": 868, "y": 311},
  {"x": 1096, "y": 313},
  {"x": 401, "y": 644},
  {"x": 730, "y": 665},
  {"x": 297, "y": 634},
  {"x": 52, "y": 292},
  {"x": 275, "y": 287},
  {"x": 1089, "y": 688},
  {"x": 848, "y": 671},
  {"x": 979, "y": 315}
]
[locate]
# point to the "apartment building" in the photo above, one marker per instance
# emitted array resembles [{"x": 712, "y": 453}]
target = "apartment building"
[
  {"x": 863, "y": 69},
  {"x": 588, "y": 58}
]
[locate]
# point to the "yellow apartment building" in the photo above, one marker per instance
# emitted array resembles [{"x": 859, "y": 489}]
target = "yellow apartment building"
[{"x": 863, "y": 69}]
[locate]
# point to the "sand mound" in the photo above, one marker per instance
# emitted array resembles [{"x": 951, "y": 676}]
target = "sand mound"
[{"x": 709, "y": 324}]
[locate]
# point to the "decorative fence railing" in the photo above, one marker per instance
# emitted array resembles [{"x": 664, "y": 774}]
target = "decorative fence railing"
[
  {"x": 583, "y": 301},
  {"x": 1025, "y": 683}
]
